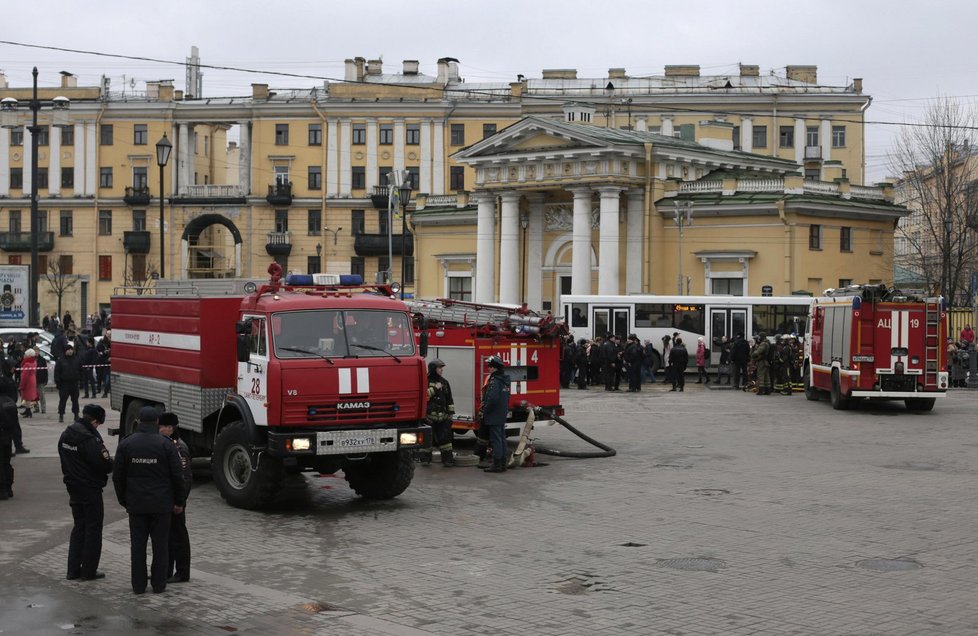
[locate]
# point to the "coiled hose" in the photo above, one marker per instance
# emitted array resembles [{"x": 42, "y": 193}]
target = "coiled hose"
[{"x": 606, "y": 451}]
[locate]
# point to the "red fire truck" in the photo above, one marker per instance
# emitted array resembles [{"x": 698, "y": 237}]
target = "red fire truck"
[
  {"x": 867, "y": 341},
  {"x": 277, "y": 378},
  {"x": 464, "y": 335}
]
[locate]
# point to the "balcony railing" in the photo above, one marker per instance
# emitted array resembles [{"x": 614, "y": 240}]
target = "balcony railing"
[
  {"x": 279, "y": 194},
  {"x": 376, "y": 244},
  {"x": 813, "y": 152},
  {"x": 136, "y": 242},
  {"x": 278, "y": 244},
  {"x": 21, "y": 241},
  {"x": 137, "y": 196},
  {"x": 379, "y": 197},
  {"x": 210, "y": 194}
]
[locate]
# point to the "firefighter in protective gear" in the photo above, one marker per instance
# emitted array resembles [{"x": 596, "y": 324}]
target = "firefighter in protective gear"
[
  {"x": 441, "y": 408},
  {"x": 759, "y": 355}
]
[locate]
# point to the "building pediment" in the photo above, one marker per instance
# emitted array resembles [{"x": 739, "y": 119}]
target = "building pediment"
[{"x": 543, "y": 138}]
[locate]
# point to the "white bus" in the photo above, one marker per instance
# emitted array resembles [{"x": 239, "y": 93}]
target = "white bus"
[{"x": 691, "y": 317}]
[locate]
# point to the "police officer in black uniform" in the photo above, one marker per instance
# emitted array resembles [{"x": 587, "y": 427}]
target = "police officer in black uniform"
[
  {"x": 8, "y": 415},
  {"x": 85, "y": 464},
  {"x": 148, "y": 479}
]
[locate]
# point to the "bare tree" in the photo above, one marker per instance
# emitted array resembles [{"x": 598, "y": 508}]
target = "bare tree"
[
  {"x": 60, "y": 279},
  {"x": 137, "y": 275},
  {"x": 938, "y": 181}
]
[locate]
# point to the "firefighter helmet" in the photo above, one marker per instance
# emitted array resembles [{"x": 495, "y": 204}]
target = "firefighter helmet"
[{"x": 495, "y": 362}]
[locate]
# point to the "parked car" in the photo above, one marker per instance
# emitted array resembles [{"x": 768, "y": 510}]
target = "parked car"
[{"x": 20, "y": 333}]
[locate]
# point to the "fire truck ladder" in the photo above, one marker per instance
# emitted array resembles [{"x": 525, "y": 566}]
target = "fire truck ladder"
[
  {"x": 478, "y": 315},
  {"x": 932, "y": 344}
]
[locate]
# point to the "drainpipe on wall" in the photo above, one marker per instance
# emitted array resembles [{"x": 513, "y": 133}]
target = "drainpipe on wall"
[
  {"x": 322, "y": 232},
  {"x": 93, "y": 288},
  {"x": 647, "y": 222},
  {"x": 788, "y": 260},
  {"x": 862, "y": 136}
]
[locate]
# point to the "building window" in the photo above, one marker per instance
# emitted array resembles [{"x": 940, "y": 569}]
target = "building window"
[
  {"x": 383, "y": 173},
  {"x": 42, "y": 177},
  {"x": 17, "y": 136},
  {"x": 313, "y": 265},
  {"x": 105, "y": 267},
  {"x": 139, "y": 220},
  {"x": 838, "y": 136},
  {"x": 43, "y": 136},
  {"x": 414, "y": 177},
  {"x": 14, "y": 259},
  {"x": 67, "y": 223},
  {"x": 42, "y": 221},
  {"x": 356, "y": 222},
  {"x": 68, "y": 136},
  {"x": 408, "y": 277},
  {"x": 315, "y": 178},
  {"x": 207, "y": 149},
  {"x": 460, "y": 288},
  {"x": 386, "y": 134},
  {"x": 456, "y": 179},
  {"x": 358, "y": 177},
  {"x": 844, "y": 282},
  {"x": 137, "y": 267},
  {"x": 384, "y": 265},
  {"x": 359, "y": 134},
  {"x": 315, "y": 222},
  {"x": 140, "y": 178},
  {"x": 383, "y": 217},
  {"x": 315, "y": 134},
  {"x": 281, "y": 134},
  {"x": 845, "y": 239},
  {"x": 16, "y": 177},
  {"x": 727, "y": 286},
  {"x": 357, "y": 266},
  {"x": 458, "y": 134},
  {"x": 759, "y": 137},
  {"x": 281, "y": 221},
  {"x": 413, "y": 134},
  {"x": 105, "y": 222},
  {"x": 140, "y": 135},
  {"x": 488, "y": 130},
  {"x": 66, "y": 265},
  {"x": 814, "y": 237},
  {"x": 813, "y": 174},
  {"x": 735, "y": 135},
  {"x": 105, "y": 135},
  {"x": 281, "y": 175},
  {"x": 105, "y": 177},
  {"x": 67, "y": 177},
  {"x": 811, "y": 136},
  {"x": 786, "y": 137},
  {"x": 13, "y": 222}
]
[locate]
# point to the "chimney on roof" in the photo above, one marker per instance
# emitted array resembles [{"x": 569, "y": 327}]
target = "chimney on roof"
[
  {"x": 807, "y": 74},
  {"x": 68, "y": 80},
  {"x": 3, "y": 80},
  {"x": 178, "y": 95},
  {"x": 857, "y": 85},
  {"x": 560, "y": 73},
  {"x": 682, "y": 70},
  {"x": 750, "y": 70},
  {"x": 259, "y": 91},
  {"x": 447, "y": 70},
  {"x": 617, "y": 73},
  {"x": 375, "y": 67},
  {"x": 166, "y": 90},
  {"x": 353, "y": 69},
  {"x": 410, "y": 67}
]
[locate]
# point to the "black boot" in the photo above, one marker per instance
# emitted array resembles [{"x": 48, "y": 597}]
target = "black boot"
[
  {"x": 497, "y": 467},
  {"x": 424, "y": 457},
  {"x": 447, "y": 458}
]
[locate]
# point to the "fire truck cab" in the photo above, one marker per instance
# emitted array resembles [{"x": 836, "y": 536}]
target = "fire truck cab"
[{"x": 867, "y": 341}]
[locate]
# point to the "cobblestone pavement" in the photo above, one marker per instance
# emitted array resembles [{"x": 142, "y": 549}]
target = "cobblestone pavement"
[{"x": 723, "y": 513}]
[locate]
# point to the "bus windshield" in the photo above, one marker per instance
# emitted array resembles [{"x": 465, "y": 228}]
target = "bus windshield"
[{"x": 338, "y": 334}]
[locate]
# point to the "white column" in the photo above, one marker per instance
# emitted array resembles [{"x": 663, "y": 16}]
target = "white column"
[
  {"x": 608, "y": 254},
  {"x": 244, "y": 157},
  {"x": 634, "y": 239},
  {"x": 424, "y": 168},
  {"x": 54, "y": 161},
  {"x": 667, "y": 125},
  {"x": 91, "y": 159},
  {"x": 825, "y": 138},
  {"x": 485, "y": 248},
  {"x": 438, "y": 159},
  {"x": 27, "y": 161},
  {"x": 800, "y": 139},
  {"x": 398, "y": 144},
  {"x": 184, "y": 174},
  {"x": 581, "y": 255},
  {"x": 534, "y": 252},
  {"x": 373, "y": 169},
  {"x": 346, "y": 169},
  {"x": 332, "y": 158},
  {"x": 4, "y": 162},
  {"x": 747, "y": 133},
  {"x": 509, "y": 249},
  {"x": 80, "y": 159}
]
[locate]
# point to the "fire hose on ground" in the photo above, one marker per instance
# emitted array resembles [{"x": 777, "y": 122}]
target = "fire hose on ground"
[{"x": 606, "y": 451}]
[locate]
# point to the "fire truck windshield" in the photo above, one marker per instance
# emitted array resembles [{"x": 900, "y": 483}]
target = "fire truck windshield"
[{"x": 340, "y": 334}]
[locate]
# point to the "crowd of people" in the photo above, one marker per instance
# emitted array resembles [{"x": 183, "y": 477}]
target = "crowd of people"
[{"x": 959, "y": 354}]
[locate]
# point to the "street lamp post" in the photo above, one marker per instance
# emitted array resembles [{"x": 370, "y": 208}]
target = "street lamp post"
[
  {"x": 683, "y": 219},
  {"x": 524, "y": 223},
  {"x": 404, "y": 197},
  {"x": 946, "y": 274},
  {"x": 163, "y": 148}
]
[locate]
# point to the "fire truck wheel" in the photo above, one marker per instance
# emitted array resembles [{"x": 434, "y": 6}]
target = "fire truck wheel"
[
  {"x": 381, "y": 476},
  {"x": 839, "y": 403},
  {"x": 238, "y": 482},
  {"x": 921, "y": 405},
  {"x": 811, "y": 393}
]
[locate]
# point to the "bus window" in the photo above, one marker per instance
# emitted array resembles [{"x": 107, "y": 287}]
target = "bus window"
[
  {"x": 689, "y": 318},
  {"x": 578, "y": 315},
  {"x": 653, "y": 315}
]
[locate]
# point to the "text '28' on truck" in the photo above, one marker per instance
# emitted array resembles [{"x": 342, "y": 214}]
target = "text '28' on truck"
[
  {"x": 867, "y": 341},
  {"x": 278, "y": 378}
]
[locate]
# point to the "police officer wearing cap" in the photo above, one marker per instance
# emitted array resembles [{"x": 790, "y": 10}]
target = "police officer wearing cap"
[
  {"x": 495, "y": 409},
  {"x": 441, "y": 407},
  {"x": 85, "y": 464},
  {"x": 148, "y": 479}
]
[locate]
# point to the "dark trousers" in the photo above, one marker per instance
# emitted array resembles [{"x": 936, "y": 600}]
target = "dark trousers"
[
  {"x": 15, "y": 431},
  {"x": 678, "y": 377},
  {"x": 635, "y": 377},
  {"x": 85, "y": 544},
  {"x": 739, "y": 374},
  {"x": 497, "y": 439},
  {"x": 609, "y": 377},
  {"x": 179, "y": 547},
  {"x": 6, "y": 468},
  {"x": 157, "y": 528},
  {"x": 65, "y": 391},
  {"x": 442, "y": 434}
]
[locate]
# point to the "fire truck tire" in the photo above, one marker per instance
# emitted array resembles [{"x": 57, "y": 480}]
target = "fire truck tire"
[
  {"x": 921, "y": 405},
  {"x": 811, "y": 393},
  {"x": 839, "y": 403},
  {"x": 236, "y": 478},
  {"x": 382, "y": 475}
]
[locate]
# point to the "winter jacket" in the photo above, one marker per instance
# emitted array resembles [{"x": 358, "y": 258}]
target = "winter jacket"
[
  {"x": 679, "y": 357},
  {"x": 148, "y": 476},
  {"x": 28, "y": 380},
  {"x": 85, "y": 462},
  {"x": 68, "y": 370},
  {"x": 495, "y": 399},
  {"x": 701, "y": 354},
  {"x": 740, "y": 351},
  {"x": 441, "y": 405}
]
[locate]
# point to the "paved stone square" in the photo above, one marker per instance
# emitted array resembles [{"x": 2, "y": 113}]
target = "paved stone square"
[{"x": 722, "y": 513}]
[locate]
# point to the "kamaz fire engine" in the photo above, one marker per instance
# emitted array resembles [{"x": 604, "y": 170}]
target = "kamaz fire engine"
[
  {"x": 464, "y": 335},
  {"x": 867, "y": 341},
  {"x": 276, "y": 378}
]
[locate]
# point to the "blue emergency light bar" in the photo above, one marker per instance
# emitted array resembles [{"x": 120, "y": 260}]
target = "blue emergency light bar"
[{"x": 308, "y": 280}]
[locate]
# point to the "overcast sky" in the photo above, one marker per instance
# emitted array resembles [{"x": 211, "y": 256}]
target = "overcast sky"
[{"x": 906, "y": 52}]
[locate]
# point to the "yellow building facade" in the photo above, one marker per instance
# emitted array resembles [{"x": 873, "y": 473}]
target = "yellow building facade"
[{"x": 304, "y": 182}]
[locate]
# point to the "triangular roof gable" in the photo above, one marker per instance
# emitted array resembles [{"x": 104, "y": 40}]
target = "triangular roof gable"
[{"x": 532, "y": 133}]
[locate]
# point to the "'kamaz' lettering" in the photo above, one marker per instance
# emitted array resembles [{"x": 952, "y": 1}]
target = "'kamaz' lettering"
[{"x": 352, "y": 406}]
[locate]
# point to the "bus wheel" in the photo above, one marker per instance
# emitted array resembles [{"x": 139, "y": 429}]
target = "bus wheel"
[
  {"x": 920, "y": 405},
  {"x": 839, "y": 403},
  {"x": 811, "y": 393}
]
